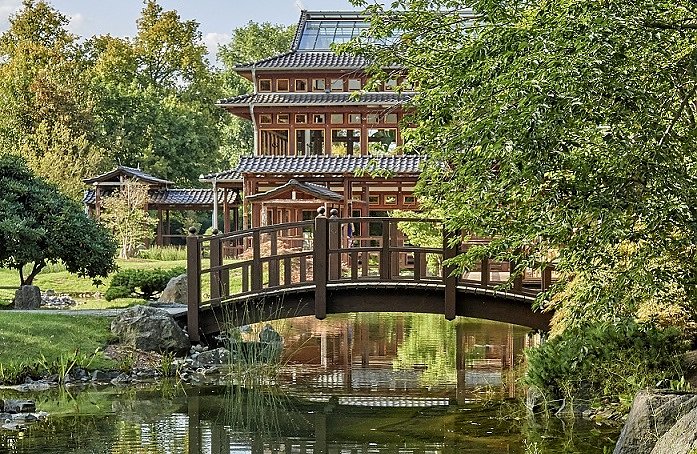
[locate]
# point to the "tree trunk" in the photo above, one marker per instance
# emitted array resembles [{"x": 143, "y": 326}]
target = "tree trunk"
[{"x": 35, "y": 270}]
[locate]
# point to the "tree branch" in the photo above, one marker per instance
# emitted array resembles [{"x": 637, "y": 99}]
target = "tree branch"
[{"x": 677, "y": 115}]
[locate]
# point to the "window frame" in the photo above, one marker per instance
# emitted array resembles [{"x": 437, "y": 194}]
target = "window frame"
[
  {"x": 324, "y": 141},
  {"x": 295, "y": 86},
  {"x": 314, "y": 84},
  {"x": 264, "y": 81},
  {"x": 334, "y": 85}
]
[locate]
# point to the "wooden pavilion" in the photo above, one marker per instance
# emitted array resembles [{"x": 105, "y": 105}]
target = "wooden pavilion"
[{"x": 163, "y": 199}]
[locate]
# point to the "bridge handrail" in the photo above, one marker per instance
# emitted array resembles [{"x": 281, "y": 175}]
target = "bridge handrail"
[
  {"x": 331, "y": 259},
  {"x": 240, "y": 234}
]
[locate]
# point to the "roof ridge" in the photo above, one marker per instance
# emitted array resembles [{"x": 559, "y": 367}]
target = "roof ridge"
[{"x": 263, "y": 60}]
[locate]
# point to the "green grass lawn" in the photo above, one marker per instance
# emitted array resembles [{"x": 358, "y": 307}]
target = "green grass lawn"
[
  {"x": 89, "y": 295},
  {"x": 32, "y": 339},
  {"x": 82, "y": 290}
]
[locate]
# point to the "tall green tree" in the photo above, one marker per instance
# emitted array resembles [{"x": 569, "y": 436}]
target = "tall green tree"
[
  {"x": 45, "y": 104},
  {"x": 249, "y": 44},
  {"x": 157, "y": 95},
  {"x": 40, "y": 225},
  {"x": 561, "y": 129}
]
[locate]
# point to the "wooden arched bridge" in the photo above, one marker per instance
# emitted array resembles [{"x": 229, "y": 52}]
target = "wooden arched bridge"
[{"x": 338, "y": 265}]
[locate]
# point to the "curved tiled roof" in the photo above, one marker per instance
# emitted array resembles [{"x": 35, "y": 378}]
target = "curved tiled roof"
[
  {"x": 307, "y": 60},
  {"x": 400, "y": 164},
  {"x": 316, "y": 190},
  {"x": 304, "y": 99},
  {"x": 173, "y": 197},
  {"x": 128, "y": 172}
]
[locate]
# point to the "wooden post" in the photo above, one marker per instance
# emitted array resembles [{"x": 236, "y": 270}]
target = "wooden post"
[
  {"x": 395, "y": 259},
  {"x": 546, "y": 280},
  {"x": 485, "y": 274},
  {"x": 320, "y": 262},
  {"x": 160, "y": 228},
  {"x": 449, "y": 278},
  {"x": 385, "y": 252},
  {"x": 334, "y": 242},
  {"x": 193, "y": 276},
  {"x": 226, "y": 211},
  {"x": 168, "y": 239},
  {"x": 273, "y": 262},
  {"x": 257, "y": 271}
]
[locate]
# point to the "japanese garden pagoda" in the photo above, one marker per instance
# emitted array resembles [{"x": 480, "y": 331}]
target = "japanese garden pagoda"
[{"x": 321, "y": 139}]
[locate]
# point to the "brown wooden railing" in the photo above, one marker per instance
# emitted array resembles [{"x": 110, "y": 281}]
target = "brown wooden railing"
[{"x": 329, "y": 252}]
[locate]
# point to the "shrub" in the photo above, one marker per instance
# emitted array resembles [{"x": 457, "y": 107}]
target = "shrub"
[
  {"x": 141, "y": 283},
  {"x": 604, "y": 359}
]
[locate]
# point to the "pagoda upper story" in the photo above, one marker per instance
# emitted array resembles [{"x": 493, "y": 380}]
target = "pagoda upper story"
[{"x": 312, "y": 101}]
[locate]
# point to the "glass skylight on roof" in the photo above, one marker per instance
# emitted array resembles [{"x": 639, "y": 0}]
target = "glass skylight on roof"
[{"x": 319, "y": 35}]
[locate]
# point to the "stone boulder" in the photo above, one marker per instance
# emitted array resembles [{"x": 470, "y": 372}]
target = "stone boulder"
[
  {"x": 268, "y": 335},
  {"x": 212, "y": 358},
  {"x": 28, "y": 297},
  {"x": 655, "y": 415},
  {"x": 150, "y": 329},
  {"x": 681, "y": 438},
  {"x": 175, "y": 291}
]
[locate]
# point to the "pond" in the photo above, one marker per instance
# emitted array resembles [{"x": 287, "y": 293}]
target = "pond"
[{"x": 355, "y": 383}]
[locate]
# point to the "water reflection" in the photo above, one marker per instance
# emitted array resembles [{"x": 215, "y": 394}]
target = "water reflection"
[
  {"x": 357, "y": 383},
  {"x": 420, "y": 354}
]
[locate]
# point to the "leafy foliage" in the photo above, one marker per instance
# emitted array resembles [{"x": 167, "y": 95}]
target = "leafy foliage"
[
  {"x": 605, "y": 359},
  {"x": 46, "y": 110},
  {"x": 565, "y": 130},
  {"x": 142, "y": 283},
  {"x": 156, "y": 97},
  {"x": 39, "y": 225},
  {"x": 125, "y": 214}
]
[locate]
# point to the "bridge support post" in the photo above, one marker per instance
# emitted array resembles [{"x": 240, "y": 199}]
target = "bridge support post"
[
  {"x": 450, "y": 250},
  {"x": 193, "y": 278},
  {"x": 320, "y": 262}
]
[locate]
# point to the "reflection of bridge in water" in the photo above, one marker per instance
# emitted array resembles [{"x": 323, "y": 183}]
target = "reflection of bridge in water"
[
  {"x": 333, "y": 265},
  {"x": 311, "y": 413}
]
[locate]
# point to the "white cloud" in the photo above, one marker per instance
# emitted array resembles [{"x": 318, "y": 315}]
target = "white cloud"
[
  {"x": 77, "y": 20},
  {"x": 7, "y": 8},
  {"x": 213, "y": 41}
]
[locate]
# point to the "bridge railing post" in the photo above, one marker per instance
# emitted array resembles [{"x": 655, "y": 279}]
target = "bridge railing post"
[
  {"x": 334, "y": 240},
  {"x": 257, "y": 271},
  {"x": 385, "y": 268},
  {"x": 486, "y": 273},
  {"x": 193, "y": 277},
  {"x": 320, "y": 263},
  {"x": 450, "y": 251}
]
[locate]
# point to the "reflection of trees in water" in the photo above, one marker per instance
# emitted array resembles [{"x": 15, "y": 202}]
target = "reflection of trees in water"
[
  {"x": 429, "y": 343},
  {"x": 432, "y": 343}
]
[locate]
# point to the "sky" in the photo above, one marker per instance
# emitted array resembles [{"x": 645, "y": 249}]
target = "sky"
[{"x": 217, "y": 18}]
